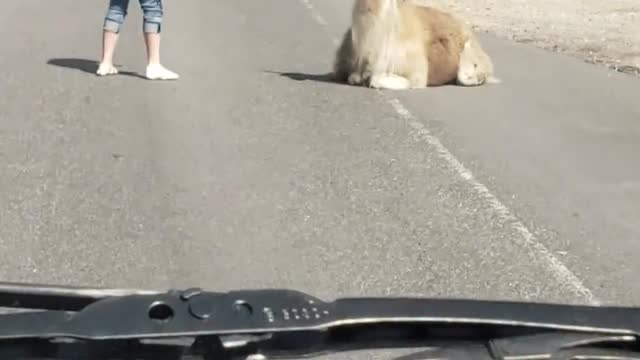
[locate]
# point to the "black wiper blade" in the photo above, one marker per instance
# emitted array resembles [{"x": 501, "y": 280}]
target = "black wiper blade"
[
  {"x": 51, "y": 297},
  {"x": 286, "y": 323}
]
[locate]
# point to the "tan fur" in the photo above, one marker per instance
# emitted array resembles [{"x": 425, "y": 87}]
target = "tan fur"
[
  {"x": 448, "y": 35},
  {"x": 406, "y": 45}
]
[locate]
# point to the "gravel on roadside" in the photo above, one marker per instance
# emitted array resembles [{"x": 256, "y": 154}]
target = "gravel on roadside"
[{"x": 600, "y": 32}]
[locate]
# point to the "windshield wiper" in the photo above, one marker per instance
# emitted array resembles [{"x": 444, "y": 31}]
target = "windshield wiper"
[{"x": 69, "y": 323}]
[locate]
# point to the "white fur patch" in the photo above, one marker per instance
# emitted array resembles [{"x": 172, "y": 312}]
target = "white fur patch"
[{"x": 390, "y": 82}]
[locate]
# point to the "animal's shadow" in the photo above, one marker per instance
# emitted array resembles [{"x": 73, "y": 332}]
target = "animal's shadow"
[
  {"x": 326, "y": 78},
  {"x": 85, "y": 65}
]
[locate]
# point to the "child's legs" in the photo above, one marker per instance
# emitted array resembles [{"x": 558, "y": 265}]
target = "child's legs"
[
  {"x": 152, "y": 27},
  {"x": 113, "y": 21}
]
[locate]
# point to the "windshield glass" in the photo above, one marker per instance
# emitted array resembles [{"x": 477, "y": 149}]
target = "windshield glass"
[{"x": 481, "y": 149}]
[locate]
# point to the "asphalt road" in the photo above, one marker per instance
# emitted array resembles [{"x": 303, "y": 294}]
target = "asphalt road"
[{"x": 254, "y": 171}]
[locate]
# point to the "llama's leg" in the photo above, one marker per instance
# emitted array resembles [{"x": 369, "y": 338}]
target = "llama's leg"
[
  {"x": 360, "y": 77},
  {"x": 355, "y": 79}
]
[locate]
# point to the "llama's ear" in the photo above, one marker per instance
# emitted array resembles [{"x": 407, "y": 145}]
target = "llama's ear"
[{"x": 493, "y": 80}]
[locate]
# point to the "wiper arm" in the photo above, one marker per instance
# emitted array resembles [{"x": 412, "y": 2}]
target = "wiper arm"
[{"x": 286, "y": 323}]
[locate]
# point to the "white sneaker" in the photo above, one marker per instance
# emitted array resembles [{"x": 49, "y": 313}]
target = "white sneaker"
[
  {"x": 106, "y": 69},
  {"x": 159, "y": 72}
]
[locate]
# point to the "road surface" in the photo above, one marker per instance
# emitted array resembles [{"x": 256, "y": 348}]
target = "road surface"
[{"x": 253, "y": 170}]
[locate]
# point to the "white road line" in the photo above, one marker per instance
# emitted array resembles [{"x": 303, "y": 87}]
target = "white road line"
[{"x": 527, "y": 240}]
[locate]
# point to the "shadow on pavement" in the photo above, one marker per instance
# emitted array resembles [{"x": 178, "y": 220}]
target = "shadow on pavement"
[
  {"x": 87, "y": 66},
  {"x": 328, "y": 78}
]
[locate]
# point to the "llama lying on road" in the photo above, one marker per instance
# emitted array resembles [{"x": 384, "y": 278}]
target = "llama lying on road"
[{"x": 392, "y": 45}]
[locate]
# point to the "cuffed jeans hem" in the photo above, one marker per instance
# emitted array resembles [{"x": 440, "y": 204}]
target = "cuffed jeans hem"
[
  {"x": 148, "y": 27},
  {"x": 112, "y": 26},
  {"x": 152, "y": 28}
]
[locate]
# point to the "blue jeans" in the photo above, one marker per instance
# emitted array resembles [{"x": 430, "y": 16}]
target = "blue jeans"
[{"x": 151, "y": 9}]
